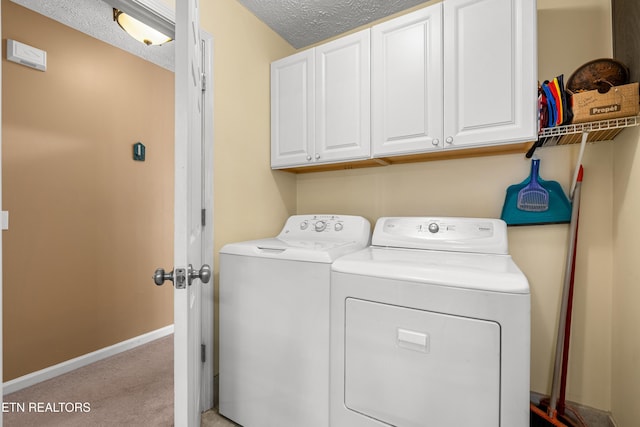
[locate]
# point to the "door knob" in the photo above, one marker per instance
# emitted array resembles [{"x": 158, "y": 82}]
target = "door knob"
[
  {"x": 204, "y": 274},
  {"x": 160, "y": 276}
]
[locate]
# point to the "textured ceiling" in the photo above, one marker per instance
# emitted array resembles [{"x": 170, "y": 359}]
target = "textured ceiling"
[
  {"x": 95, "y": 18},
  {"x": 300, "y": 22},
  {"x": 306, "y": 22}
]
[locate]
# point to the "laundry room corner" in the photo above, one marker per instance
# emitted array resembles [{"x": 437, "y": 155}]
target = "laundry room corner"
[{"x": 250, "y": 200}]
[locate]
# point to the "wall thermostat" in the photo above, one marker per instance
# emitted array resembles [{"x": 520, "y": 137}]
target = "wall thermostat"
[{"x": 26, "y": 55}]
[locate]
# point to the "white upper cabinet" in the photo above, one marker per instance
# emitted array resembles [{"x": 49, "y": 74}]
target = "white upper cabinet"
[
  {"x": 292, "y": 109},
  {"x": 490, "y": 65},
  {"x": 457, "y": 74},
  {"x": 406, "y": 73},
  {"x": 320, "y": 104},
  {"x": 343, "y": 105}
]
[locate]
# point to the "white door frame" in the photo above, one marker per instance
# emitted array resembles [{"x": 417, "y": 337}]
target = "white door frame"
[
  {"x": 1, "y": 314},
  {"x": 207, "y": 392}
]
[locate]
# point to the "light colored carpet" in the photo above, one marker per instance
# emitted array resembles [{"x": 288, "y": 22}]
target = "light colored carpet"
[{"x": 133, "y": 388}]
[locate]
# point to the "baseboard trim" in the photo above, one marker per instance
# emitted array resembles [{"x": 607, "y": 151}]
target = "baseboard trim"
[{"x": 84, "y": 360}]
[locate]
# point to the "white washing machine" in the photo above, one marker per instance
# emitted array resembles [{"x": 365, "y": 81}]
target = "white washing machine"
[
  {"x": 274, "y": 321},
  {"x": 430, "y": 326}
]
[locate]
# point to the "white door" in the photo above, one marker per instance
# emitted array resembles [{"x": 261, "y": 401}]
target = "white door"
[
  {"x": 188, "y": 275},
  {"x": 1, "y": 371}
]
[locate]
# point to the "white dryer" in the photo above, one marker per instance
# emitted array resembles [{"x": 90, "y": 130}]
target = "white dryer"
[
  {"x": 274, "y": 321},
  {"x": 430, "y": 326}
]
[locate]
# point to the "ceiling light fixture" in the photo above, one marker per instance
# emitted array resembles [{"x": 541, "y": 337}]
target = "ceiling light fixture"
[
  {"x": 152, "y": 16},
  {"x": 139, "y": 30}
]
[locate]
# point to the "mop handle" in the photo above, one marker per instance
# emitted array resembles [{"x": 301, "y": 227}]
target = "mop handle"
[
  {"x": 578, "y": 168},
  {"x": 557, "y": 367}
]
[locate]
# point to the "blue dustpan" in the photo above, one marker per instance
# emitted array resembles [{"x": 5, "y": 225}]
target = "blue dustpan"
[{"x": 559, "y": 210}]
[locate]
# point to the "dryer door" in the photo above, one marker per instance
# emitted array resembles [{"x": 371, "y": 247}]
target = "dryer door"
[{"x": 408, "y": 367}]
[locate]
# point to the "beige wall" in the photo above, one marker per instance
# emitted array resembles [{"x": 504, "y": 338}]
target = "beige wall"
[
  {"x": 251, "y": 200},
  {"x": 626, "y": 279},
  {"x": 476, "y": 187},
  {"x": 88, "y": 224}
]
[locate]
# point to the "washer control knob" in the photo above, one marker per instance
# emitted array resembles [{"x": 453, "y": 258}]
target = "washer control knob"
[
  {"x": 320, "y": 226},
  {"x": 433, "y": 227},
  {"x": 304, "y": 225},
  {"x": 338, "y": 226}
]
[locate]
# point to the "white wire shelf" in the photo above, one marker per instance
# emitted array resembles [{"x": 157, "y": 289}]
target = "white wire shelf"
[{"x": 604, "y": 130}]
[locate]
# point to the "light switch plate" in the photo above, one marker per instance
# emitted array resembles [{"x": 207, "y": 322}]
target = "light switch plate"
[{"x": 5, "y": 220}]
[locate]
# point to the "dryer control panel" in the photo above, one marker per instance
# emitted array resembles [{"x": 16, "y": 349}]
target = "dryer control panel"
[
  {"x": 477, "y": 235},
  {"x": 343, "y": 228}
]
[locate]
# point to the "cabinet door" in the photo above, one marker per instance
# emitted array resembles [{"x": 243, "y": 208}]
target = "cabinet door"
[
  {"x": 292, "y": 110},
  {"x": 489, "y": 72},
  {"x": 343, "y": 99},
  {"x": 406, "y": 91}
]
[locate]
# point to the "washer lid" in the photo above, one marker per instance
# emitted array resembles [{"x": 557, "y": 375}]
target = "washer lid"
[
  {"x": 488, "y": 272},
  {"x": 293, "y": 250},
  {"x": 311, "y": 238}
]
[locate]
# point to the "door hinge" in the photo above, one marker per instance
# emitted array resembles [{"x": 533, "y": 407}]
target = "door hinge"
[
  {"x": 203, "y": 61},
  {"x": 203, "y": 353},
  {"x": 203, "y": 217}
]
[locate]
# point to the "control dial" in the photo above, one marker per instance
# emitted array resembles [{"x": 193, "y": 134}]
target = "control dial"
[
  {"x": 304, "y": 225},
  {"x": 338, "y": 226},
  {"x": 433, "y": 227},
  {"x": 320, "y": 226}
]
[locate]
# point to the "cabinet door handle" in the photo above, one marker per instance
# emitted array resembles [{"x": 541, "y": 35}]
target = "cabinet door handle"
[
  {"x": 435, "y": 142},
  {"x": 449, "y": 140},
  {"x": 317, "y": 156},
  {"x": 308, "y": 158}
]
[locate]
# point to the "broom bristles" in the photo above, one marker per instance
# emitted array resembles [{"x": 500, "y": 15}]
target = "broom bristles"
[{"x": 540, "y": 418}]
